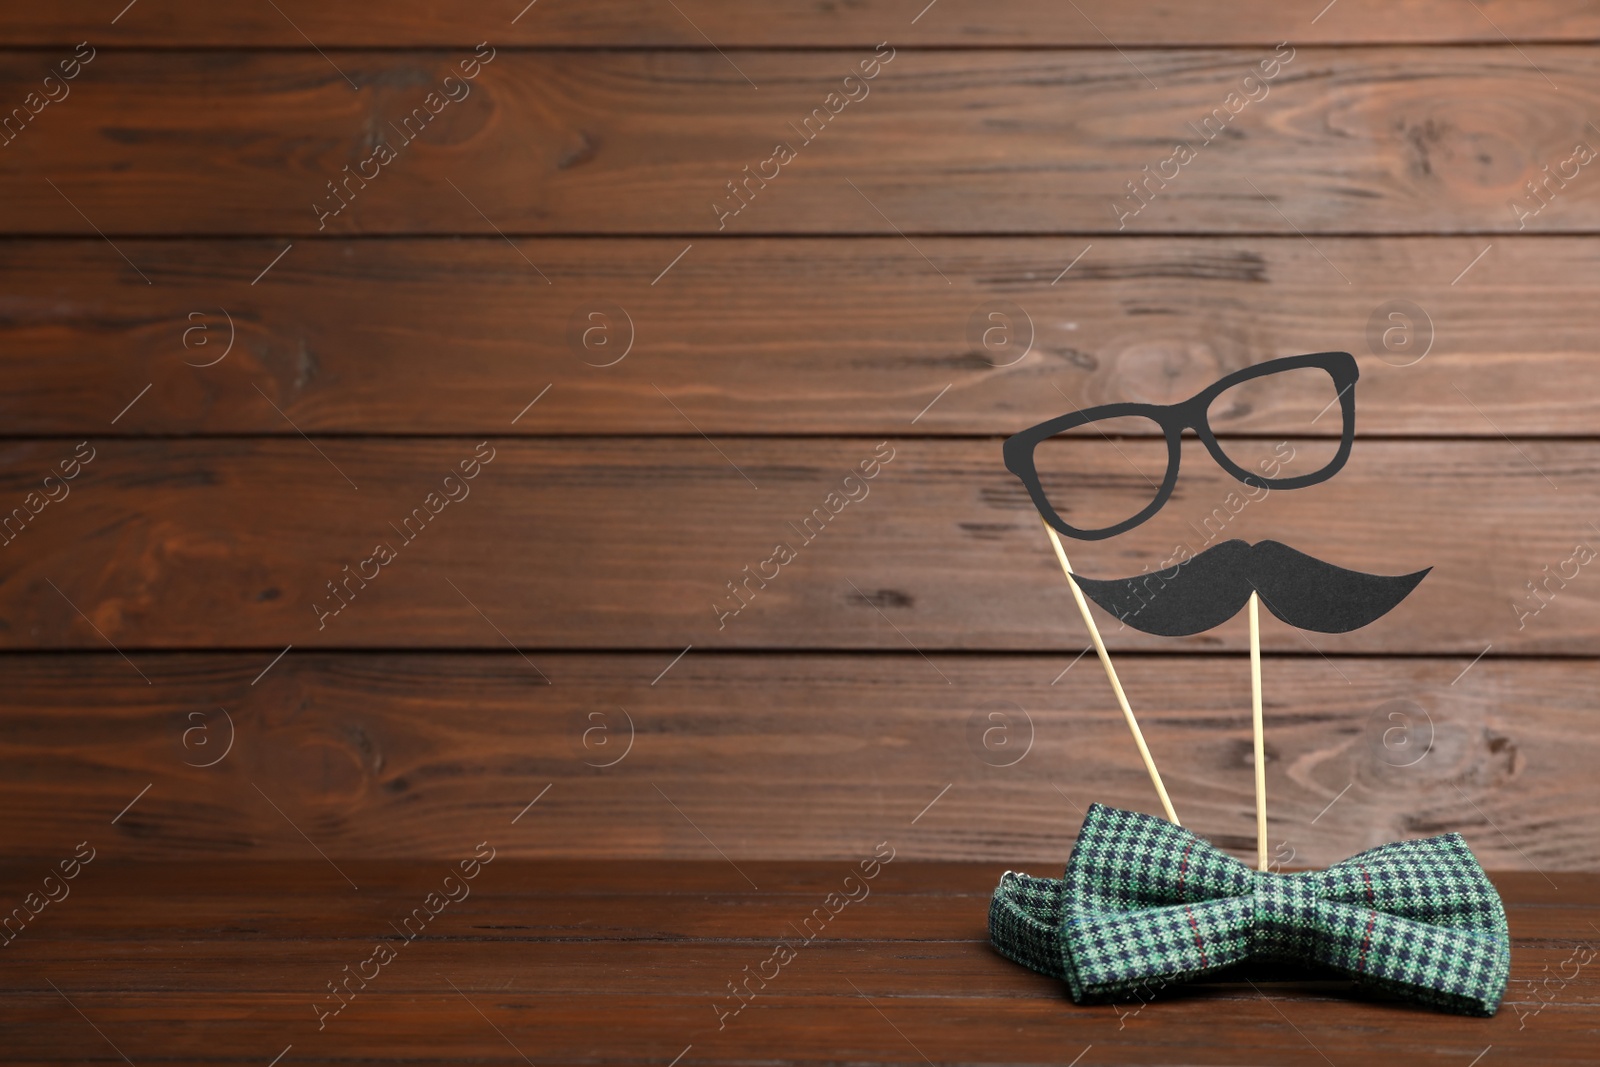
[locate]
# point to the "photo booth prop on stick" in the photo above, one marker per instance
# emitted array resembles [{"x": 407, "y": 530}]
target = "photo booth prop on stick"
[{"x": 1145, "y": 903}]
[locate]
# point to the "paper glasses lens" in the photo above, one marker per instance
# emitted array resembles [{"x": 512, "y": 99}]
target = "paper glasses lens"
[
  {"x": 1293, "y": 419},
  {"x": 1103, "y": 473}
]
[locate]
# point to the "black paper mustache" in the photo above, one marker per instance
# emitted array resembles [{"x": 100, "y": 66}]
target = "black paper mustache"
[{"x": 1210, "y": 588}]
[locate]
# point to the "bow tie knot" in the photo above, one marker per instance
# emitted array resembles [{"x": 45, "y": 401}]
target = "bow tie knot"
[
  {"x": 1145, "y": 904},
  {"x": 1285, "y": 918}
]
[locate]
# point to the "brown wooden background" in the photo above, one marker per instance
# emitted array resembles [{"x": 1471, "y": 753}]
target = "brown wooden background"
[{"x": 166, "y": 202}]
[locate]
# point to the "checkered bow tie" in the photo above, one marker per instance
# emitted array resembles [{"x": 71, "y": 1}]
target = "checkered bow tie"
[{"x": 1146, "y": 904}]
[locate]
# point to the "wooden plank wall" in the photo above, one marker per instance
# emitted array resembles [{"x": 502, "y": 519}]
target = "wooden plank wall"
[{"x": 558, "y": 276}]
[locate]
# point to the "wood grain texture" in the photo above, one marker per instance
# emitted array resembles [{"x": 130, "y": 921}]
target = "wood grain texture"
[
  {"x": 576, "y": 1029},
  {"x": 594, "y": 901},
  {"x": 783, "y": 336},
  {"x": 558, "y": 665},
  {"x": 781, "y": 755},
  {"x": 632, "y": 543},
  {"x": 729, "y": 23},
  {"x": 907, "y": 969},
  {"x": 1359, "y": 140},
  {"x": 573, "y": 943}
]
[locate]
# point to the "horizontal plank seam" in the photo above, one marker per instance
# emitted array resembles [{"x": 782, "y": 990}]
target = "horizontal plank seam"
[
  {"x": 795, "y": 235},
  {"x": 1304, "y": 991},
  {"x": 189, "y": 937},
  {"x": 840, "y": 438},
  {"x": 1496, "y": 42},
  {"x": 1229, "y": 655}
]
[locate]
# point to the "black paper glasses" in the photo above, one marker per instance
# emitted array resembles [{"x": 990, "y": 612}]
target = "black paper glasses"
[{"x": 1173, "y": 420}]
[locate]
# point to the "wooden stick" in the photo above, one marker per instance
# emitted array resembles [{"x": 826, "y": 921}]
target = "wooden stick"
[
  {"x": 1260, "y": 732},
  {"x": 1111, "y": 675}
]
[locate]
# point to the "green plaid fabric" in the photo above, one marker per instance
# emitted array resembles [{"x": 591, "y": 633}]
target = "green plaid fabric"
[{"x": 1146, "y": 904}]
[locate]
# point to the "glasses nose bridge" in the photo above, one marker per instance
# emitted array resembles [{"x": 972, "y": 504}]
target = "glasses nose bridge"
[{"x": 1191, "y": 414}]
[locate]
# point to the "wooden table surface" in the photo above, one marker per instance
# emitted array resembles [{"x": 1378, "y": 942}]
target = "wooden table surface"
[{"x": 566, "y": 962}]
